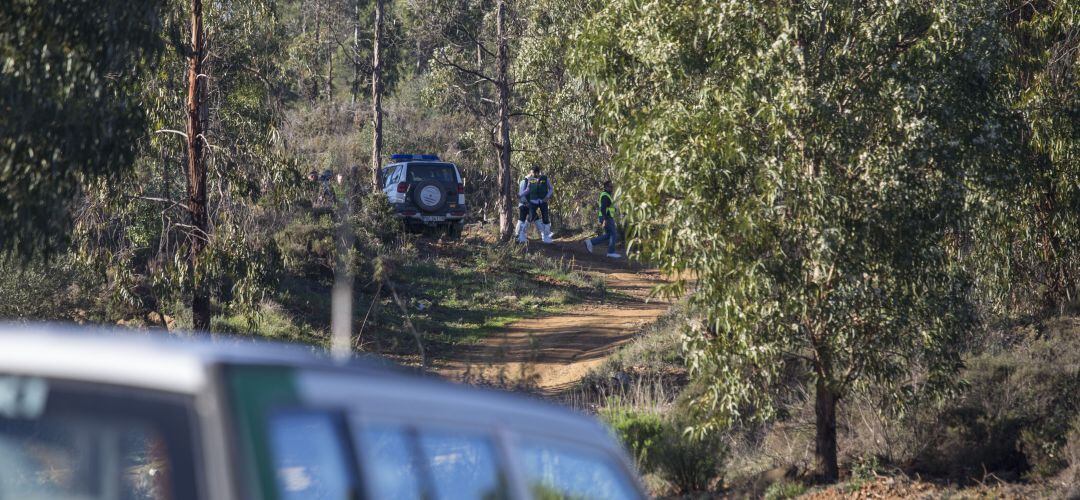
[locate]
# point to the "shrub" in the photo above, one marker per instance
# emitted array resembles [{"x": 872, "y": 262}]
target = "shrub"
[
  {"x": 45, "y": 291},
  {"x": 689, "y": 463},
  {"x": 1016, "y": 412},
  {"x": 374, "y": 222},
  {"x": 1071, "y": 453},
  {"x": 640, "y": 432},
  {"x": 783, "y": 490},
  {"x": 307, "y": 247}
]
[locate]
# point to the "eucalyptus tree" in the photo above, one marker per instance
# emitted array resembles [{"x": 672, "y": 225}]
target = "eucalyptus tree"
[
  {"x": 557, "y": 108},
  {"x": 69, "y": 73},
  {"x": 376, "y": 96},
  {"x": 1027, "y": 234},
  {"x": 805, "y": 163},
  {"x": 472, "y": 56},
  {"x": 138, "y": 229},
  {"x": 195, "y": 142}
]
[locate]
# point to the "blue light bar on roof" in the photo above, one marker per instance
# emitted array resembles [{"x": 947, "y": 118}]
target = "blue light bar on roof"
[{"x": 400, "y": 157}]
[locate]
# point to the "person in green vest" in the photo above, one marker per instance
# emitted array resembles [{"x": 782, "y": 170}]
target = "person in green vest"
[
  {"x": 606, "y": 216},
  {"x": 534, "y": 191}
]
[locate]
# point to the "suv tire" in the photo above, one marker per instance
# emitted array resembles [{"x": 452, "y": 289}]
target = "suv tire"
[{"x": 429, "y": 196}]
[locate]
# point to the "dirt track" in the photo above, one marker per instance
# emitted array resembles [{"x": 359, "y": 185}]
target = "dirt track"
[{"x": 553, "y": 352}]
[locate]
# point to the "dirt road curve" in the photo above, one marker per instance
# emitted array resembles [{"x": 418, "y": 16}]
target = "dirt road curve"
[{"x": 553, "y": 352}]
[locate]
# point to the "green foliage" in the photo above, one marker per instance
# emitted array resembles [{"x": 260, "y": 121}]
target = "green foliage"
[
  {"x": 866, "y": 468},
  {"x": 1015, "y": 414},
  {"x": 1071, "y": 453},
  {"x": 38, "y": 290},
  {"x": 307, "y": 247},
  {"x": 663, "y": 446},
  {"x": 1026, "y": 228},
  {"x": 375, "y": 224},
  {"x": 69, "y": 72},
  {"x": 784, "y": 490},
  {"x": 558, "y": 131},
  {"x": 639, "y": 432},
  {"x": 796, "y": 161}
]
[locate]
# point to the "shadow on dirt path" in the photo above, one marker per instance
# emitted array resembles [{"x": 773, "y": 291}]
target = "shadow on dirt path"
[{"x": 552, "y": 353}]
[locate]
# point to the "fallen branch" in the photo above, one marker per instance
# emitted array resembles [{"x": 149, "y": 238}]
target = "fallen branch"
[
  {"x": 375, "y": 299},
  {"x": 408, "y": 324}
]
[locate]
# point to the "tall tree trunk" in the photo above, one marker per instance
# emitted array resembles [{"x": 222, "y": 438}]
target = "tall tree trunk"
[
  {"x": 825, "y": 439},
  {"x": 196, "y": 170},
  {"x": 376, "y": 97},
  {"x": 315, "y": 87},
  {"x": 356, "y": 52},
  {"x": 505, "y": 202},
  {"x": 330, "y": 73}
]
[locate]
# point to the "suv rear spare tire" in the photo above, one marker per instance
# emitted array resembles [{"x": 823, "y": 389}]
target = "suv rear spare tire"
[{"x": 429, "y": 196}]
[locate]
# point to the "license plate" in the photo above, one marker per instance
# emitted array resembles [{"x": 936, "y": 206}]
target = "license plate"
[{"x": 434, "y": 218}]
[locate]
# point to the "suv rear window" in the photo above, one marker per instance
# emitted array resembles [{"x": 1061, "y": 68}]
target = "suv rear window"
[
  {"x": 64, "y": 440},
  {"x": 442, "y": 172}
]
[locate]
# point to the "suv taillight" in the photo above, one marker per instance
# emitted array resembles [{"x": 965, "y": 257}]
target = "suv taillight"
[
  {"x": 460, "y": 188},
  {"x": 402, "y": 187}
]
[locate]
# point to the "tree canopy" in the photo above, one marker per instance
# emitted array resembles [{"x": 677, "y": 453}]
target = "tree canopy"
[
  {"x": 69, "y": 109},
  {"x": 811, "y": 166}
]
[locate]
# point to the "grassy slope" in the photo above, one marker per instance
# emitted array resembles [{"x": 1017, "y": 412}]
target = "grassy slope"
[{"x": 454, "y": 292}]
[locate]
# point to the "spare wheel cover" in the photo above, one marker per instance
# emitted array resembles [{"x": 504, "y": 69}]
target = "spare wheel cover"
[{"x": 429, "y": 196}]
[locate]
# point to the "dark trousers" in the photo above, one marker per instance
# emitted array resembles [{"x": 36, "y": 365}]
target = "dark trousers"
[
  {"x": 611, "y": 235},
  {"x": 529, "y": 209}
]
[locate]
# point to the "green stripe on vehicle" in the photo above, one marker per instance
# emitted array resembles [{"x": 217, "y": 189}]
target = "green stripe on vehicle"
[{"x": 257, "y": 391}]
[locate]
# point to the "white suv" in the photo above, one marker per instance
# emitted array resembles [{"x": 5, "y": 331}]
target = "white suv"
[
  {"x": 425, "y": 191},
  {"x": 123, "y": 416}
]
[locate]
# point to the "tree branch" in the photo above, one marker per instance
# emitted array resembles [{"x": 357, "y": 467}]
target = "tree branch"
[{"x": 446, "y": 62}]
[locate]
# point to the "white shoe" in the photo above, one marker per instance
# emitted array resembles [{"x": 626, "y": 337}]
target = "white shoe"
[
  {"x": 545, "y": 232},
  {"x": 614, "y": 256},
  {"x": 522, "y": 227},
  {"x": 588, "y": 244}
]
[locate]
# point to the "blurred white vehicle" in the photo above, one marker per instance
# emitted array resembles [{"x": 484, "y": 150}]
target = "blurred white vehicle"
[{"x": 99, "y": 415}]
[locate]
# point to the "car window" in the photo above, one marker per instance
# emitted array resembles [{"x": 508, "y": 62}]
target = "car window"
[
  {"x": 390, "y": 469},
  {"x": 387, "y": 176},
  {"x": 441, "y": 172},
  {"x": 463, "y": 466},
  {"x": 311, "y": 456},
  {"x": 67, "y": 441},
  {"x": 557, "y": 472}
]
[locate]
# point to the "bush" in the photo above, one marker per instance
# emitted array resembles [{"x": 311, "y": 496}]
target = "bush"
[
  {"x": 45, "y": 291},
  {"x": 640, "y": 432},
  {"x": 307, "y": 244},
  {"x": 307, "y": 247},
  {"x": 1071, "y": 453},
  {"x": 783, "y": 490},
  {"x": 1016, "y": 412},
  {"x": 661, "y": 446},
  {"x": 689, "y": 463},
  {"x": 374, "y": 222}
]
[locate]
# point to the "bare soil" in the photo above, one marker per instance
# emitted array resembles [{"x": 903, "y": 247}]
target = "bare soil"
[{"x": 551, "y": 353}]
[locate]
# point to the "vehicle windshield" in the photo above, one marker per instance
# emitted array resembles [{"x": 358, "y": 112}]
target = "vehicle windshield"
[
  {"x": 442, "y": 172},
  {"x": 61, "y": 440}
]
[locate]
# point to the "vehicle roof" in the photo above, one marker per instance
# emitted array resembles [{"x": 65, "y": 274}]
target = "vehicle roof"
[
  {"x": 420, "y": 162},
  {"x": 181, "y": 364}
]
